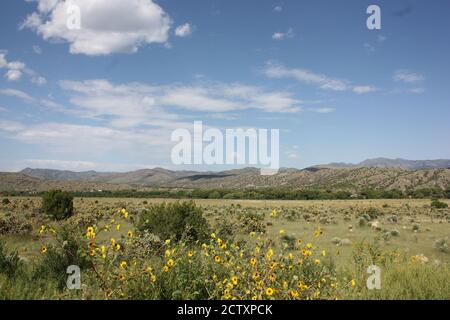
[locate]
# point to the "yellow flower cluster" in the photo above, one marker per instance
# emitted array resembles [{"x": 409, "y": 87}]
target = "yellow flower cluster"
[{"x": 260, "y": 272}]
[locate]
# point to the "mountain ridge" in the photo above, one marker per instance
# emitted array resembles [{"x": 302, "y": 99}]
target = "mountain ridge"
[
  {"x": 381, "y": 162},
  {"x": 373, "y": 173}
]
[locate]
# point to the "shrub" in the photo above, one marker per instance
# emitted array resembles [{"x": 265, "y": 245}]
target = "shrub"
[
  {"x": 362, "y": 222},
  {"x": 57, "y": 204},
  {"x": 174, "y": 221},
  {"x": 442, "y": 245},
  {"x": 67, "y": 251},
  {"x": 438, "y": 204},
  {"x": 14, "y": 225},
  {"x": 289, "y": 241},
  {"x": 5, "y": 201},
  {"x": 10, "y": 263}
]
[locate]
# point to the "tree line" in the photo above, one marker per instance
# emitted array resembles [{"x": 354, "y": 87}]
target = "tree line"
[{"x": 259, "y": 194}]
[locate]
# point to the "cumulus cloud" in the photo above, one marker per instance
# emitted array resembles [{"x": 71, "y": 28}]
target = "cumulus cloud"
[
  {"x": 16, "y": 69},
  {"x": 407, "y": 76},
  {"x": 13, "y": 75},
  {"x": 183, "y": 30},
  {"x": 278, "y": 71},
  {"x": 106, "y": 26}
]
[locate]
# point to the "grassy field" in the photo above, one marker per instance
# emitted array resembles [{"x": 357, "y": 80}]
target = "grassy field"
[{"x": 407, "y": 239}]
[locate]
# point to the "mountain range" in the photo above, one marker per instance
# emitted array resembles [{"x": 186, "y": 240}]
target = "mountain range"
[
  {"x": 374, "y": 173},
  {"x": 394, "y": 163}
]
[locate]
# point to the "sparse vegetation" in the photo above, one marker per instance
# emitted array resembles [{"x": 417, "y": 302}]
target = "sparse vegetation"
[{"x": 122, "y": 247}]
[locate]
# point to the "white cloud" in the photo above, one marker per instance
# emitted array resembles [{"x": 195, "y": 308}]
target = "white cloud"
[
  {"x": 283, "y": 35},
  {"x": 322, "y": 110},
  {"x": 107, "y": 26},
  {"x": 183, "y": 30},
  {"x": 147, "y": 105},
  {"x": 13, "y": 75},
  {"x": 39, "y": 80},
  {"x": 17, "y": 94},
  {"x": 278, "y": 8},
  {"x": 364, "y": 89},
  {"x": 16, "y": 69},
  {"x": 75, "y": 139},
  {"x": 11, "y": 126},
  {"x": 407, "y": 76},
  {"x": 79, "y": 165},
  {"x": 324, "y": 82},
  {"x": 135, "y": 119}
]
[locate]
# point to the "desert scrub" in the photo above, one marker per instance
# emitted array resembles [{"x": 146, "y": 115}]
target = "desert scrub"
[
  {"x": 10, "y": 263},
  {"x": 13, "y": 225},
  {"x": 438, "y": 204},
  {"x": 209, "y": 269},
  {"x": 442, "y": 245},
  {"x": 410, "y": 281},
  {"x": 57, "y": 204},
  {"x": 174, "y": 221},
  {"x": 218, "y": 269},
  {"x": 65, "y": 250}
]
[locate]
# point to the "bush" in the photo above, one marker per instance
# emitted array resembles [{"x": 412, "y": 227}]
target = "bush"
[
  {"x": 362, "y": 222},
  {"x": 14, "y": 225},
  {"x": 174, "y": 221},
  {"x": 442, "y": 245},
  {"x": 10, "y": 263},
  {"x": 5, "y": 201},
  {"x": 67, "y": 251},
  {"x": 438, "y": 204},
  {"x": 57, "y": 204}
]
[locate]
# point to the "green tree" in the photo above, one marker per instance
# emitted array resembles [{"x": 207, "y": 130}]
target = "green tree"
[
  {"x": 174, "y": 221},
  {"x": 57, "y": 204}
]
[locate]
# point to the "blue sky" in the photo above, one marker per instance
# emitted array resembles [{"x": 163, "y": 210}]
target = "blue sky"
[{"x": 107, "y": 96}]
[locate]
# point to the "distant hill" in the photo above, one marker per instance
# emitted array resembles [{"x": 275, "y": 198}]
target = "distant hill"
[
  {"x": 341, "y": 178},
  {"x": 22, "y": 182},
  {"x": 394, "y": 163}
]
